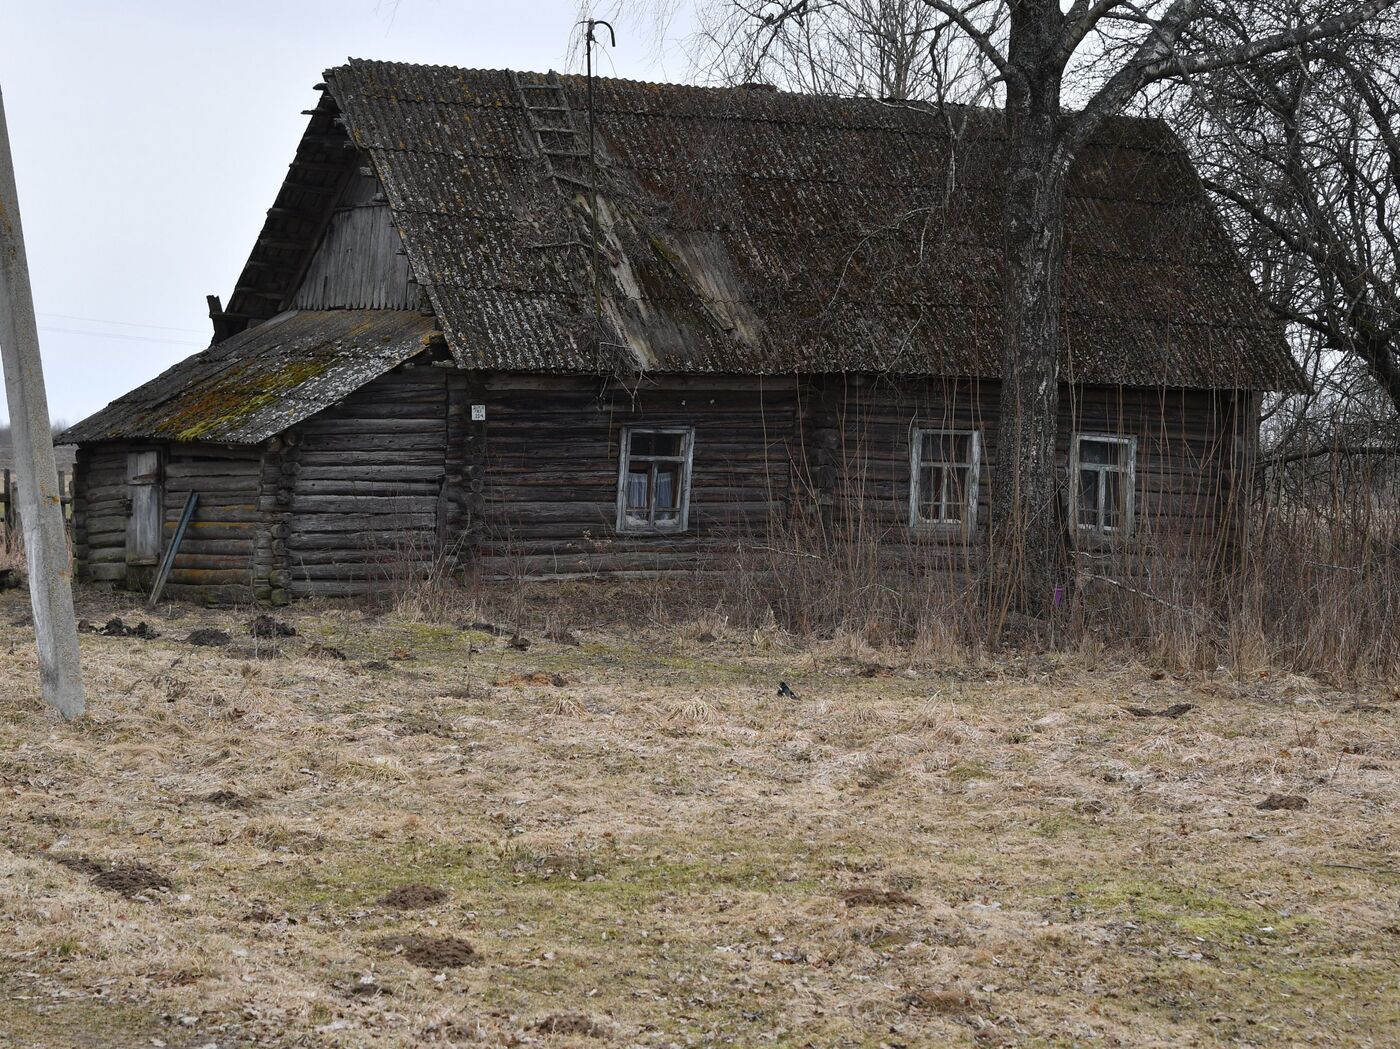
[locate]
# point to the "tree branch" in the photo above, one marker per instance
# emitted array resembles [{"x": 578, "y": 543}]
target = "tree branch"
[{"x": 989, "y": 50}]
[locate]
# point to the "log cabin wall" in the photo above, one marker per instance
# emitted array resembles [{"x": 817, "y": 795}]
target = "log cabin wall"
[
  {"x": 1187, "y": 471},
  {"x": 215, "y": 560},
  {"x": 550, "y": 459},
  {"x": 100, "y": 511},
  {"x": 357, "y": 495}
]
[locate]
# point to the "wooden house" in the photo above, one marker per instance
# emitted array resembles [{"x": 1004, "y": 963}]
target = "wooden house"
[{"x": 463, "y": 337}]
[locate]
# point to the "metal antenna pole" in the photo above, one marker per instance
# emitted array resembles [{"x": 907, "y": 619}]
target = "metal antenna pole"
[
  {"x": 45, "y": 545},
  {"x": 589, "y": 42}
]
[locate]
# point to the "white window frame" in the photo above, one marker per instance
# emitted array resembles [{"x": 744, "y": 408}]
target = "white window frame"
[
  {"x": 1130, "y": 489},
  {"x": 968, "y": 522},
  {"x": 686, "y": 457}
]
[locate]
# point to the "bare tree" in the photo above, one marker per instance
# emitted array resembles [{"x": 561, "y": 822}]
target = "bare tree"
[
  {"x": 888, "y": 49},
  {"x": 1094, "y": 55},
  {"x": 1302, "y": 150}
]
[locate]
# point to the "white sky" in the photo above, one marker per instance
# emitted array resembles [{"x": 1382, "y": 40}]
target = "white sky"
[{"x": 150, "y": 137}]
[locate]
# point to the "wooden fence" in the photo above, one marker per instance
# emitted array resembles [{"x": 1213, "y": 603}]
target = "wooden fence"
[{"x": 9, "y": 502}]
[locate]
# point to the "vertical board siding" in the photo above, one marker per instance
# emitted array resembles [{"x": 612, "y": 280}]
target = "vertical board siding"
[
  {"x": 365, "y": 500},
  {"x": 143, "y": 485},
  {"x": 360, "y": 262}
]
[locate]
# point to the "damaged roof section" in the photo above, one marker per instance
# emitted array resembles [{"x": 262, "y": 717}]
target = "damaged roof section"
[
  {"x": 257, "y": 383},
  {"x": 764, "y": 232}
]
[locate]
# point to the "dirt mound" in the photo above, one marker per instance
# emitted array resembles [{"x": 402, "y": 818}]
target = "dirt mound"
[
  {"x": 571, "y": 1023},
  {"x": 1284, "y": 802},
  {"x": 227, "y": 799},
  {"x": 412, "y": 896},
  {"x": 209, "y": 637},
  {"x": 265, "y": 626},
  {"x": 127, "y": 879},
  {"x": 1173, "y": 711},
  {"x": 431, "y": 952},
  {"x": 948, "y": 1002},
  {"x": 114, "y": 627},
  {"x": 865, "y": 897},
  {"x": 424, "y": 725},
  {"x": 536, "y": 677}
]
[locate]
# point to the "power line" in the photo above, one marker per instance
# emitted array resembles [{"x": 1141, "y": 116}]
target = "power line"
[
  {"x": 124, "y": 338},
  {"x": 123, "y": 324}
]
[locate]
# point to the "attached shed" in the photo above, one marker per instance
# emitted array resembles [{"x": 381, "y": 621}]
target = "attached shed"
[{"x": 793, "y": 304}]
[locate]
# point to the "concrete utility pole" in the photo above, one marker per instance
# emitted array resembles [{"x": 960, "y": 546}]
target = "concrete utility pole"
[{"x": 45, "y": 545}]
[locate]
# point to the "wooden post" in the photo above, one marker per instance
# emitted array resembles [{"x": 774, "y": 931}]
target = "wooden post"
[{"x": 45, "y": 545}]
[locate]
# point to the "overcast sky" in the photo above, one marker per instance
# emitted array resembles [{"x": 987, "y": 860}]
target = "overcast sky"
[{"x": 150, "y": 137}]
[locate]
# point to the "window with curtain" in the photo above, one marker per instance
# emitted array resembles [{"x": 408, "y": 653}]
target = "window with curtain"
[{"x": 653, "y": 491}]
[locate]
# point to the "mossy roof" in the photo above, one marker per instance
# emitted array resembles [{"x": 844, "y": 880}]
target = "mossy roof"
[{"x": 261, "y": 381}]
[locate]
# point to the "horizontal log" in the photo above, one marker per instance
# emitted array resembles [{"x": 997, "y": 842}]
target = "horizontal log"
[
  {"x": 349, "y": 488},
  {"x": 313, "y": 524},
  {"x": 395, "y": 472},
  {"x": 210, "y": 576},
  {"x": 383, "y": 448},
  {"x": 210, "y": 594},
  {"x": 373, "y": 458},
  {"x": 362, "y": 504},
  {"x": 362, "y": 539},
  {"x": 324, "y": 426},
  {"x": 206, "y": 548}
]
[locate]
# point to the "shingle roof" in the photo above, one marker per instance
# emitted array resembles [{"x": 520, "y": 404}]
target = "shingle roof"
[
  {"x": 756, "y": 231},
  {"x": 257, "y": 383},
  {"x": 745, "y": 232}
]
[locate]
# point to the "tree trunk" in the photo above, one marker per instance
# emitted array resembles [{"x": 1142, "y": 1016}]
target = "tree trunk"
[{"x": 1029, "y": 554}]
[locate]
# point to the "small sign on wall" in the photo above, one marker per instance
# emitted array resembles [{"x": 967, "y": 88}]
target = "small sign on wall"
[{"x": 478, "y": 413}]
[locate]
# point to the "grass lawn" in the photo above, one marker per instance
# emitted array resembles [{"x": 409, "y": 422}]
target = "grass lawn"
[{"x": 380, "y": 832}]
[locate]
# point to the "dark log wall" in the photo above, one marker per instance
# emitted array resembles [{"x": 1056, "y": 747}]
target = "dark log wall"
[
  {"x": 100, "y": 514},
  {"x": 397, "y": 478},
  {"x": 1189, "y": 443},
  {"x": 215, "y": 561},
  {"x": 356, "y": 496},
  {"x": 550, "y": 456}
]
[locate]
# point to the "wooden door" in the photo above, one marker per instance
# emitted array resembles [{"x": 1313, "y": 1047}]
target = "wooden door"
[{"x": 143, "y": 523}]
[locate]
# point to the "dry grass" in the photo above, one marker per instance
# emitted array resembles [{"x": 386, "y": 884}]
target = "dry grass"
[{"x": 663, "y": 851}]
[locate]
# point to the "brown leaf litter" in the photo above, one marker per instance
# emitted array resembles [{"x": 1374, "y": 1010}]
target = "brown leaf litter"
[{"x": 868, "y": 897}]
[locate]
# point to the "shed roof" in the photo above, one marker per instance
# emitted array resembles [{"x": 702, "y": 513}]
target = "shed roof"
[
  {"x": 760, "y": 231},
  {"x": 259, "y": 382}
]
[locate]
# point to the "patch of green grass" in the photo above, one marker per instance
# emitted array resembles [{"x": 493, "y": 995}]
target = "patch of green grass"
[
  {"x": 37, "y": 1021},
  {"x": 1190, "y": 912},
  {"x": 967, "y": 771}
]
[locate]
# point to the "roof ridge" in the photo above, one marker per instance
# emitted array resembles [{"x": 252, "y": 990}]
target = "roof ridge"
[{"x": 734, "y": 90}]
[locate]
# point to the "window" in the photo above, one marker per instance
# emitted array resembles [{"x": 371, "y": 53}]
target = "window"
[
  {"x": 943, "y": 473},
  {"x": 1101, "y": 476},
  {"x": 653, "y": 480}
]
